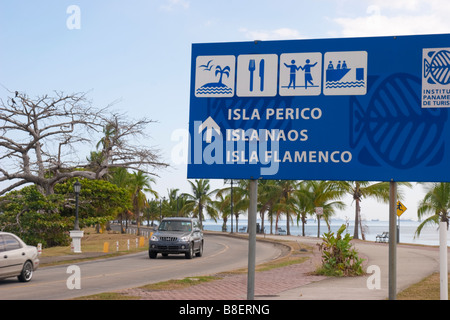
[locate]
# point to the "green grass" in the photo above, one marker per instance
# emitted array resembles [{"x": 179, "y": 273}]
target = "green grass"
[
  {"x": 108, "y": 296},
  {"x": 179, "y": 284},
  {"x": 427, "y": 289},
  {"x": 94, "y": 242}
]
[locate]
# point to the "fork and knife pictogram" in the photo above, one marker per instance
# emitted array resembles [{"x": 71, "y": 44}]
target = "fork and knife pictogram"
[{"x": 252, "y": 68}]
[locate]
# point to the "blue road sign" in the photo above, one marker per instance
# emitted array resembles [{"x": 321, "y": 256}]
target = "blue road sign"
[{"x": 332, "y": 109}]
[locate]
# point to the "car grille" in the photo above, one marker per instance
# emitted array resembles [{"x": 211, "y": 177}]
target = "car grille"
[
  {"x": 168, "y": 238},
  {"x": 168, "y": 247}
]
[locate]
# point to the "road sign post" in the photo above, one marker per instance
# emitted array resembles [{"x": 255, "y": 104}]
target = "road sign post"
[
  {"x": 253, "y": 194},
  {"x": 392, "y": 241},
  {"x": 443, "y": 268}
]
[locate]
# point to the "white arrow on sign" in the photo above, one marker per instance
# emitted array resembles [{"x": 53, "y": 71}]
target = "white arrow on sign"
[{"x": 210, "y": 125}]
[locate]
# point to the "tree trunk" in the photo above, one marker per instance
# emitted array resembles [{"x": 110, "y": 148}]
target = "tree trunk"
[
  {"x": 355, "y": 232},
  {"x": 303, "y": 225},
  {"x": 288, "y": 227},
  {"x": 262, "y": 222}
]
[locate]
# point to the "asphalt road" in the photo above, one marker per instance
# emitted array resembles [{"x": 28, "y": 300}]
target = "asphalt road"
[{"x": 221, "y": 253}]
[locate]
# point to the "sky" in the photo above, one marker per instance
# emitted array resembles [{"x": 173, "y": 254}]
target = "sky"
[{"x": 136, "y": 54}]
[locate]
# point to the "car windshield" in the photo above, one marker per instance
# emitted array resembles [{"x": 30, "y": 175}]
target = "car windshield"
[{"x": 175, "y": 226}]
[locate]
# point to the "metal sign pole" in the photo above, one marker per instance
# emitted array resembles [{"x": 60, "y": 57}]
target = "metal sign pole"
[
  {"x": 231, "y": 208},
  {"x": 252, "y": 239},
  {"x": 443, "y": 269},
  {"x": 392, "y": 240}
]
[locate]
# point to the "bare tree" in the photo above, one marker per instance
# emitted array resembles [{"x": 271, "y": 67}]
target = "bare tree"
[{"x": 41, "y": 138}]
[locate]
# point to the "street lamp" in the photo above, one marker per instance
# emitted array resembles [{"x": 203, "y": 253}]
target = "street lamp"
[
  {"x": 160, "y": 208},
  {"x": 200, "y": 207},
  {"x": 231, "y": 181},
  {"x": 76, "y": 189},
  {"x": 76, "y": 234}
]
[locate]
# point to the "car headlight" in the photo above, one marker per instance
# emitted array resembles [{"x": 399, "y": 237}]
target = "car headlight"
[
  {"x": 184, "y": 239},
  {"x": 154, "y": 238}
]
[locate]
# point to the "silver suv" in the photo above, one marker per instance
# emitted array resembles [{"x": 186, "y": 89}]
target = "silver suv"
[{"x": 177, "y": 235}]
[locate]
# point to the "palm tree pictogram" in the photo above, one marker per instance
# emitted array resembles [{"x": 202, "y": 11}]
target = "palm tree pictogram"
[{"x": 223, "y": 71}]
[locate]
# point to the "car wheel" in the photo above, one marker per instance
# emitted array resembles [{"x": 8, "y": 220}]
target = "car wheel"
[
  {"x": 190, "y": 253},
  {"x": 200, "y": 250},
  {"x": 27, "y": 272},
  {"x": 152, "y": 255}
]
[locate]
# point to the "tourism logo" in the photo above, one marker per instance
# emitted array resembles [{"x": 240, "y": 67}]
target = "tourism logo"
[
  {"x": 436, "y": 78},
  {"x": 300, "y": 74},
  {"x": 257, "y": 75},
  {"x": 345, "y": 73},
  {"x": 214, "y": 76}
]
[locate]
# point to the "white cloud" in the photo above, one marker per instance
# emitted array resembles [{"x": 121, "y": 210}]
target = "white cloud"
[
  {"x": 276, "y": 34},
  {"x": 379, "y": 25},
  {"x": 401, "y": 17},
  {"x": 170, "y": 5},
  {"x": 410, "y": 5}
]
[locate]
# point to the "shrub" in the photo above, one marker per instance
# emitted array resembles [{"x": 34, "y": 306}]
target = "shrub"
[{"x": 339, "y": 258}]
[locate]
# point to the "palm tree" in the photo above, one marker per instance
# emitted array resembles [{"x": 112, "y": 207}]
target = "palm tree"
[
  {"x": 175, "y": 203},
  {"x": 200, "y": 199},
  {"x": 286, "y": 202},
  {"x": 436, "y": 203},
  {"x": 303, "y": 203},
  {"x": 365, "y": 189},
  {"x": 151, "y": 212},
  {"x": 223, "y": 71},
  {"x": 360, "y": 190},
  {"x": 222, "y": 205},
  {"x": 241, "y": 199},
  {"x": 109, "y": 132},
  {"x": 121, "y": 178},
  {"x": 268, "y": 195},
  {"x": 106, "y": 143},
  {"x": 139, "y": 182},
  {"x": 226, "y": 202},
  {"x": 323, "y": 194}
]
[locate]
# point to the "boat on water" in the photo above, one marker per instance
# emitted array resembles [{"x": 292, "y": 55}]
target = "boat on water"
[{"x": 336, "y": 74}]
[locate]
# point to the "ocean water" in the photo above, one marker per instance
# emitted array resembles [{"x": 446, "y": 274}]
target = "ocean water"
[{"x": 428, "y": 236}]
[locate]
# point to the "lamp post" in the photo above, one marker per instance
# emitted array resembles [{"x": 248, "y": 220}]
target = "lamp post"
[
  {"x": 231, "y": 181},
  {"x": 76, "y": 189},
  {"x": 76, "y": 234},
  {"x": 160, "y": 208}
]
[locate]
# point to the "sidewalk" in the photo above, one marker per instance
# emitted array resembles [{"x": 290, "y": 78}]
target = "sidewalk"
[
  {"x": 296, "y": 282},
  {"x": 413, "y": 264}
]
